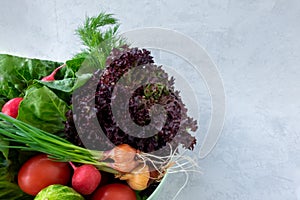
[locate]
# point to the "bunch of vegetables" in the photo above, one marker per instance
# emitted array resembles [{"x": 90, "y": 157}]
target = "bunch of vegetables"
[{"x": 41, "y": 151}]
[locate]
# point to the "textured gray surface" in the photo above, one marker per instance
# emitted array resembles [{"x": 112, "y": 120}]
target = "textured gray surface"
[{"x": 256, "y": 46}]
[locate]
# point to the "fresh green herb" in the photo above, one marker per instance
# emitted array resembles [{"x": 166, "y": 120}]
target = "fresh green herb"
[
  {"x": 31, "y": 138},
  {"x": 4, "y": 150},
  {"x": 99, "y": 34}
]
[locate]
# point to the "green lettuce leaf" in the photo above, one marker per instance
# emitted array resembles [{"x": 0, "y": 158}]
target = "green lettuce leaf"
[
  {"x": 73, "y": 66},
  {"x": 42, "y": 108},
  {"x": 12, "y": 191},
  {"x": 64, "y": 85},
  {"x": 8, "y": 172},
  {"x": 70, "y": 77},
  {"x": 17, "y": 73}
]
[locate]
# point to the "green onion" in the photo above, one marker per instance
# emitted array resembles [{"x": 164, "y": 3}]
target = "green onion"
[{"x": 26, "y": 137}]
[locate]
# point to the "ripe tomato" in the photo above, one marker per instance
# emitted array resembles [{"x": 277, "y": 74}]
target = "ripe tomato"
[
  {"x": 114, "y": 191},
  {"x": 11, "y": 107},
  {"x": 39, "y": 172}
]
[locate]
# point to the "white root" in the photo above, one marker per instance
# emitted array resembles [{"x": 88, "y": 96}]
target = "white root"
[
  {"x": 183, "y": 186},
  {"x": 173, "y": 163}
]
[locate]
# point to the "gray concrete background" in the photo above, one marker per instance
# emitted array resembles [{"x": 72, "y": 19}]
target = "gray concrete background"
[{"x": 256, "y": 46}]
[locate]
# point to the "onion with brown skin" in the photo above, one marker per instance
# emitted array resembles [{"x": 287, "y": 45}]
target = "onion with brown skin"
[
  {"x": 124, "y": 157},
  {"x": 137, "y": 179}
]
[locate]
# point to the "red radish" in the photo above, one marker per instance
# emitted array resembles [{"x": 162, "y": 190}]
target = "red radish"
[
  {"x": 51, "y": 76},
  {"x": 11, "y": 107},
  {"x": 86, "y": 179}
]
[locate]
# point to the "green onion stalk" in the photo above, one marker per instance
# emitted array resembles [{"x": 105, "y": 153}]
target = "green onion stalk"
[{"x": 23, "y": 136}]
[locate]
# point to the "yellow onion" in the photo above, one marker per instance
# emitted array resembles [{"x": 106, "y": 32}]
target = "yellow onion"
[
  {"x": 124, "y": 157},
  {"x": 124, "y": 166},
  {"x": 138, "y": 178}
]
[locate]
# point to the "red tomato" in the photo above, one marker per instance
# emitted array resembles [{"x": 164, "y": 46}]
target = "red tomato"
[
  {"x": 39, "y": 172},
  {"x": 114, "y": 191},
  {"x": 11, "y": 107}
]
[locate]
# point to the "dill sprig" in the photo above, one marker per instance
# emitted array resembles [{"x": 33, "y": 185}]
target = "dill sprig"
[
  {"x": 92, "y": 35},
  {"x": 99, "y": 35}
]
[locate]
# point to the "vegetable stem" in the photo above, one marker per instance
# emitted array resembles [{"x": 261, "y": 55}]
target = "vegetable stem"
[{"x": 35, "y": 139}]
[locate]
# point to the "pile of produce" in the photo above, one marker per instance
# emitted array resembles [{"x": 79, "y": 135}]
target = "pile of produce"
[{"x": 45, "y": 154}]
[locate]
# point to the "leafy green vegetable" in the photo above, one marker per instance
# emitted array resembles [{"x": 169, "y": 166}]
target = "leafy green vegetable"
[
  {"x": 74, "y": 65},
  {"x": 64, "y": 85},
  {"x": 17, "y": 73},
  {"x": 74, "y": 76},
  {"x": 8, "y": 172},
  {"x": 139, "y": 197},
  {"x": 43, "y": 109},
  {"x": 4, "y": 150},
  {"x": 2, "y": 101},
  {"x": 11, "y": 191}
]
